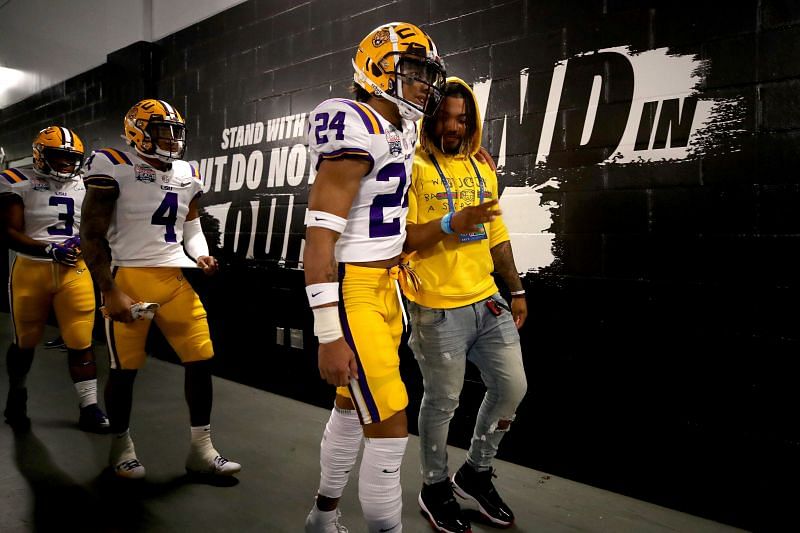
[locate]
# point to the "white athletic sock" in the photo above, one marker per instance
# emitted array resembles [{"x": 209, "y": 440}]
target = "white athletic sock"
[
  {"x": 379, "y": 484},
  {"x": 338, "y": 451},
  {"x": 87, "y": 392},
  {"x": 121, "y": 448},
  {"x": 201, "y": 442},
  {"x": 122, "y": 457}
]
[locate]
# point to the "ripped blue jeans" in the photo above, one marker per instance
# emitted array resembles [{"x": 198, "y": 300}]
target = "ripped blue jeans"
[{"x": 443, "y": 340}]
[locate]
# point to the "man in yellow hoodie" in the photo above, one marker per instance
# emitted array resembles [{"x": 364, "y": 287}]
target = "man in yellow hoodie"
[{"x": 457, "y": 314}]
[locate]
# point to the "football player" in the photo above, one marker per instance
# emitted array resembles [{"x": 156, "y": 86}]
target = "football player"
[
  {"x": 363, "y": 151},
  {"x": 42, "y": 213},
  {"x": 141, "y": 205}
]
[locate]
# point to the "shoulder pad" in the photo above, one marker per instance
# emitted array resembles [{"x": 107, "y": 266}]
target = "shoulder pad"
[
  {"x": 100, "y": 169},
  {"x": 342, "y": 128},
  {"x": 185, "y": 168},
  {"x": 365, "y": 114}
]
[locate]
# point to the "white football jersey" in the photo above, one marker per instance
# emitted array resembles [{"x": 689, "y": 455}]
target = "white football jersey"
[
  {"x": 52, "y": 207},
  {"x": 146, "y": 228},
  {"x": 376, "y": 223}
]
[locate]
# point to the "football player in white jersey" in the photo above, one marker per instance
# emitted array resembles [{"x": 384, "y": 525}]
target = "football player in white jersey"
[
  {"x": 363, "y": 152},
  {"x": 41, "y": 209},
  {"x": 142, "y": 206}
]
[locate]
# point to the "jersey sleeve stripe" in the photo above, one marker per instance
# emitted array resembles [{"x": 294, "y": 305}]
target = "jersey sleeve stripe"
[
  {"x": 115, "y": 156},
  {"x": 15, "y": 175},
  {"x": 343, "y": 153},
  {"x": 373, "y": 117},
  {"x": 125, "y": 157},
  {"x": 100, "y": 181},
  {"x": 120, "y": 155},
  {"x": 9, "y": 177},
  {"x": 111, "y": 156},
  {"x": 367, "y": 122}
]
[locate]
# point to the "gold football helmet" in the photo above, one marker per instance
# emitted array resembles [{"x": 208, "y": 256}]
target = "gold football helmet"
[
  {"x": 156, "y": 129},
  {"x": 395, "y": 53},
  {"x": 58, "y": 153}
]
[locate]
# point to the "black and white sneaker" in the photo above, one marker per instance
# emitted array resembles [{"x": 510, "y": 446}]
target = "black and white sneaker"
[
  {"x": 212, "y": 464},
  {"x": 93, "y": 419},
  {"x": 129, "y": 468},
  {"x": 55, "y": 344},
  {"x": 478, "y": 487},
  {"x": 441, "y": 508}
]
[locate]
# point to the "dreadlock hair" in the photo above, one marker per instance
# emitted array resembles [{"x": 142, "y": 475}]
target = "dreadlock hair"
[
  {"x": 360, "y": 93},
  {"x": 428, "y": 139}
]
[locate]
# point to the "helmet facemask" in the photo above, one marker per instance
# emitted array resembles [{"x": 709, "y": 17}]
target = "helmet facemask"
[
  {"x": 61, "y": 164},
  {"x": 169, "y": 140},
  {"x": 414, "y": 70},
  {"x": 163, "y": 140}
]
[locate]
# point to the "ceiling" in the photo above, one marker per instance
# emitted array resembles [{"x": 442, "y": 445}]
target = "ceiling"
[{"x": 44, "y": 42}]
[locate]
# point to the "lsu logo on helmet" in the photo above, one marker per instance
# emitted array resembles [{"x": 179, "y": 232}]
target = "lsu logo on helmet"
[
  {"x": 58, "y": 153},
  {"x": 156, "y": 129},
  {"x": 398, "y": 54}
]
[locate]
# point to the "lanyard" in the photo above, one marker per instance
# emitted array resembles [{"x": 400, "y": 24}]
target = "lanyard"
[{"x": 447, "y": 185}]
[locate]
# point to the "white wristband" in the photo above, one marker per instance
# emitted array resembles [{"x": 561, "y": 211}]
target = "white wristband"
[
  {"x": 326, "y": 324},
  {"x": 322, "y": 293},
  {"x": 326, "y": 220}
]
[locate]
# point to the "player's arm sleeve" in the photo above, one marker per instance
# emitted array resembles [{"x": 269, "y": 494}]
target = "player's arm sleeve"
[
  {"x": 99, "y": 172},
  {"x": 340, "y": 129},
  {"x": 498, "y": 233},
  {"x": 197, "y": 182},
  {"x": 416, "y": 177}
]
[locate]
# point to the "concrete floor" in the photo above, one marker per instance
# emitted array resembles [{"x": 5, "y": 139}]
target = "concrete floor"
[{"x": 50, "y": 478}]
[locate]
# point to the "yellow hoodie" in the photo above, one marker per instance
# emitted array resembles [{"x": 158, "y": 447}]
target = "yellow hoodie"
[{"x": 452, "y": 273}]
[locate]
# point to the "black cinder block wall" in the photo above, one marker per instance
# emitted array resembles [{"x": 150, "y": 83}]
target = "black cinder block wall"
[{"x": 648, "y": 155}]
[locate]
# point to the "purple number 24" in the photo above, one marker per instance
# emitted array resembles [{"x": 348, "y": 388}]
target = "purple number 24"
[{"x": 321, "y": 119}]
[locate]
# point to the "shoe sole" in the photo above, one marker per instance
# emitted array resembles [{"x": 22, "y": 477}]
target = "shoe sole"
[
  {"x": 430, "y": 519},
  {"x": 461, "y": 493},
  {"x": 101, "y": 430},
  {"x": 19, "y": 424},
  {"x": 206, "y": 473},
  {"x": 123, "y": 477}
]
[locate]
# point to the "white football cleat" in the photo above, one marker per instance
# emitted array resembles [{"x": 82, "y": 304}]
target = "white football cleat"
[
  {"x": 129, "y": 469},
  {"x": 214, "y": 465},
  {"x": 324, "y": 521},
  {"x": 122, "y": 458}
]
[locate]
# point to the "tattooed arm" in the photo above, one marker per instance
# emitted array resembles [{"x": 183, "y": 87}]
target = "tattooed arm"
[
  {"x": 98, "y": 207},
  {"x": 13, "y": 217},
  {"x": 334, "y": 189},
  {"x": 503, "y": 259}
]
